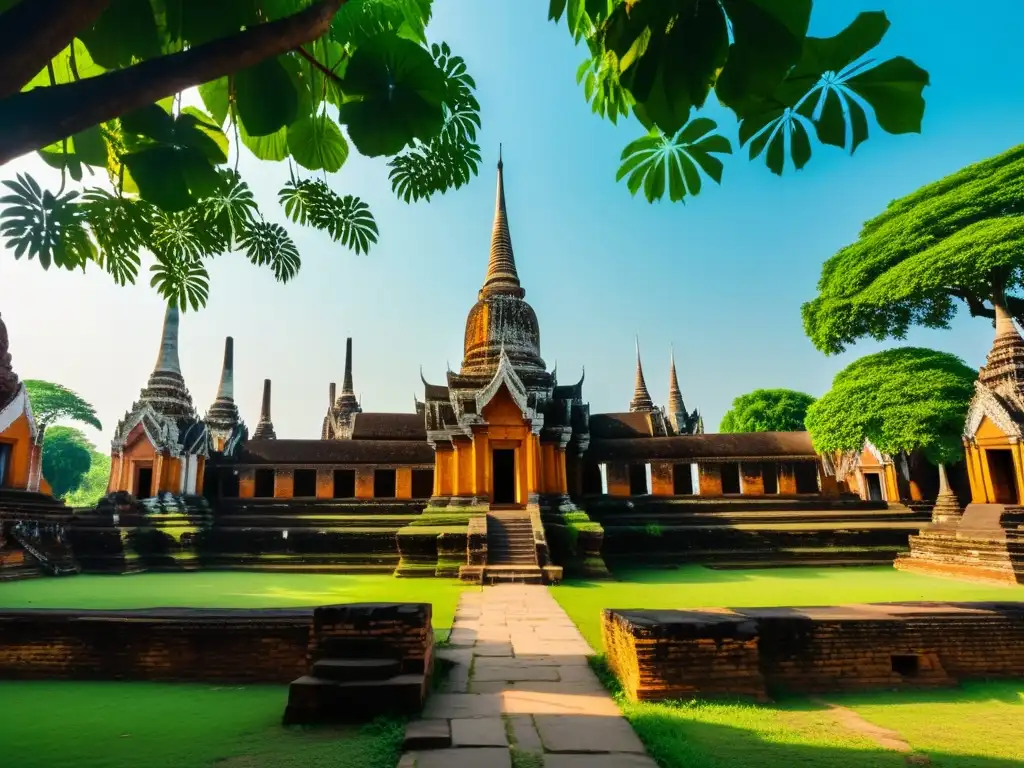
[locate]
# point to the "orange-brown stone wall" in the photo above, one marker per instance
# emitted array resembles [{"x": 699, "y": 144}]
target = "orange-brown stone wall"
[
  {"x": 19, "y": 436},
  {"x": 284, "y": 483},
  {"x": 617, "y": 474},
  {"x": 751, "y": 480},
  {"x": 710, "y": 479},
  {"x": 662, "y": 479}
]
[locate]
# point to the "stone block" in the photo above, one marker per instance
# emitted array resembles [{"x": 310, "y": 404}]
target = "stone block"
[
  {"x": 427, "y": 734},
  {"x": 478, "y": 732}
]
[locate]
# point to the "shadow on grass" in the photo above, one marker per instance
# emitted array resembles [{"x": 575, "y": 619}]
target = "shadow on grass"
[{"x": 797, "y": 731}]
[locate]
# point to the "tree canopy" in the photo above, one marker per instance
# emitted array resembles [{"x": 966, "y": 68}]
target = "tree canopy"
[
  {"x": 54, "y": 402},
  {"x": 956, "y": 242},
  {"x": 105, "y": 86},
  {"x": 902, "y": 400},
  {"x": 93, "y": 486},
  {"x": 67, "y": 457},
  {"x": 767, "y": 410}
]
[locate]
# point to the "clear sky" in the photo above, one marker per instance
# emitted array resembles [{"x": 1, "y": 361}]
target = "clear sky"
[{"x": 720, "y": 278}]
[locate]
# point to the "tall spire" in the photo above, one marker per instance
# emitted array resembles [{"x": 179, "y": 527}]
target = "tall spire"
[
  {"x": 346, "y": 384},
  {"x": 167, "y": 358},
  {"x": 222, "y": 417},
  {"x": 502, "y": 276},
  {"x": 9, "y": 384},
  {"x": 675, "y": 395},
  {"x": 265, "y": 428},
  {"x": 641, "y": 397},
  {"x": 1004, "y": 367}
]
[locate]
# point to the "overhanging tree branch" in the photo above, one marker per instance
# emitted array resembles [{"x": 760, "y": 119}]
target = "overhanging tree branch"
[
  {"x": 37, "y": 118},
  {"x": 34, "y": 31}
]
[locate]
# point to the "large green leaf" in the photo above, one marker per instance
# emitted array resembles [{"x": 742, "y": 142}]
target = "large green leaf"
[
  {"x": 44, "y": 226},
  {"x": 216, "y": 98},
  {"x": 395, "y": 93},
  {"x": 347, "y": 219},
  {"x": 231, "y": 208},
  {"x": 272, "y": 147},
  {"x": 266, "y": 97},
  {"x": 768, "y": 40},
  {"x": 184, "y": 282},
  {"x": 893, "y": 89},
  {"x": 317, "y": 143},
  {"x": 172, "y": 178},
  {"x": 268, "y": 244},
  {"x": 656, "y": 162},
  {"x": 198, "y": 22},
  {"x": 125, "y": 32},
  {"x": 121, "y": 227}
]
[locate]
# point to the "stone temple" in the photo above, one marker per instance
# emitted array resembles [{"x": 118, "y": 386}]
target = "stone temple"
[{"x": 500, "y": 472}]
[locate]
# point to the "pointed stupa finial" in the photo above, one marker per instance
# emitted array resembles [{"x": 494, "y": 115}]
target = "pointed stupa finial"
[
  {"x": 167, "y": 359},
  {"x": 222, "y": 417},
  {"x": 675, "y": 394},
  {"x": 502, "y": 276},
  {"x": 265, "y": 428},
  {"x": 226, "y": 390},
  {"x": 346, "y": 384},
  {"x": 641, "y": 397}
]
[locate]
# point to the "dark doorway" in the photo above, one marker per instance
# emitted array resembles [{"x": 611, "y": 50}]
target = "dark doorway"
[
  {"x": 1004, "y": 483},
  {"x": 592, "y": 485},
  {"x": 5, "y": 460},
  {"x": 304, "y": 485},
  {"x": 806, "y": 477},
  {"x": 264, "y": 484},
  {"x": 770, "y": 477},
  {"x": 344, "y": 483},
  {"x": 906, "y": 665},
  {"x": 638, "y": 480},
  {"x": 504, "y": 474},
  {"x": 682, "y": 479},
  {"x": 731, "y": 478},
  {"x": 873, "y": 482},
  {"x": 229, "y": 484},
  {"x": 422, "y": 483},
  {"x": 384, "y": 484},
  {"x": 144, "y": 483},
  {"x": 211, "y": 484}
]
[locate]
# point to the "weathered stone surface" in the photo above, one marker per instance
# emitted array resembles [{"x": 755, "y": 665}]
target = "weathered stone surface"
[
  {"x": 464, "y": 758},
  {"x": 427, "y": 734},
  {"x": 479, "y": 732},
  {"x": 585, "y": 733},
  {"x": 599, "y": 761},
  {"x": 524, "y": 735},
  {"x": 460, "y": 705}
]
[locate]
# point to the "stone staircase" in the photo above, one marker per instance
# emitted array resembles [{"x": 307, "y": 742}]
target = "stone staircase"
[
  {"x": 352, "y": 682},
  {"x": 511, "y": 550}
]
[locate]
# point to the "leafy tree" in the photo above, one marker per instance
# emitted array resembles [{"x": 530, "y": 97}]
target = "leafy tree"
[
  {"x": 767, "y": 410},
  {"x": 94, "y": 485},
  {"x": 54, "y": 402},
  {"x": 67, "y": 457},
  {"x": 661, "y": 59},
  {"x": 98, "y": 84},
  {"x": 902, "y": 400},
  {"x": 956, "y": 242}
]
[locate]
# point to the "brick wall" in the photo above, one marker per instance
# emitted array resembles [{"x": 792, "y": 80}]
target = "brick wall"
[
  {"x": 182, "y": 645},
  {"x": 749, "y": 652}
]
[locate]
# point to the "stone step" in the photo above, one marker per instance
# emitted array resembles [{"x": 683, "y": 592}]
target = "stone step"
[
  {"x": 518, "y": 574},
  {"x": 348, "y": 670},
  {"x": 316, "y": 700}
]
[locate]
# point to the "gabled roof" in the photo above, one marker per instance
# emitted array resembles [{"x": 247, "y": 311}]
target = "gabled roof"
[
  {"x": 335, "y": 452},
  {"x": 620, "y": 425},
  {"x": 504, "y": 375},
  {"x": 389, "y": 426},
  {"x": 750, "y": 445}
]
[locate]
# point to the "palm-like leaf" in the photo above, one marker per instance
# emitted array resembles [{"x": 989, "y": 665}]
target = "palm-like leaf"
[
  {"x": 121, "y": 227},
  {"x": 44, "y": 226},
  {"x": 186, "y": 235},
  {"x": 602, "y": 88},
  {"x": 183, "y": 282},
  {"x": 346, "y": 219},
  {"x": 268, "y": 244},
  {"x": 656, "y": 162},
  {"x": 231, "y": 208}
]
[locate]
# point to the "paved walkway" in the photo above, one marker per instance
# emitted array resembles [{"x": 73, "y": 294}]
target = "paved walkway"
[{"x": 521, "y": 684}]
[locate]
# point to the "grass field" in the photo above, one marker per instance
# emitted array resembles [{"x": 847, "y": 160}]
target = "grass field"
[
  {"x": 976, "y": 726},
  {"x": 698, "y": 587},
  {"x": 152, "y": 725},
  {"x": 232, "y": 589}
]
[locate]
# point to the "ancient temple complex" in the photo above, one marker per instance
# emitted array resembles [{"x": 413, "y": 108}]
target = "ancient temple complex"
[{"x": 499, "y": 472}]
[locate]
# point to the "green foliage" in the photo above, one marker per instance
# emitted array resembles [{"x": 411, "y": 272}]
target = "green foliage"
[
  {"x": 960, "y": 239},
  {"x": 53, "y": 402},
  {"x": 662, "y": 59},
  {"x": 370, "y": 70},
  {"x": 67, "y": 456},
  {"x": 767, "y": 410},
  {"x": 94, "y": 485},
  {"x": 902, "y": 400}
]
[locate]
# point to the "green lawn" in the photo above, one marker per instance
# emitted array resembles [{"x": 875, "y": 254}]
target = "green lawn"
[
  {"x": 698, "y": 587},
  {"x": 131, "y": 725},
  {"x": 231, "y": 589}
]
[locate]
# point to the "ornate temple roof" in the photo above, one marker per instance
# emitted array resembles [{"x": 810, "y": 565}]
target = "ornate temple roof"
[
  {"x": 166, "y": 392},
  {"x": 265, "y": 428},
  {"x": 641, "y": 397},
  {"x": 611, "y": 426},
  {"x": 999, "y": 390},
  {"x": 342, "y": 409},
  {"x": 751, "y": 445},
  {"x": 223, "y": 414},
  {"x": 336, "y": 452}
]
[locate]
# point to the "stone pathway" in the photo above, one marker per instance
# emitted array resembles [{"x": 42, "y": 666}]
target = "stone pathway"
[{"x": 521, "y": 693}]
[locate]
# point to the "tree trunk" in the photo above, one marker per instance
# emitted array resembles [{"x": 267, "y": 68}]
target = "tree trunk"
[{"x": 37, "y": 118}]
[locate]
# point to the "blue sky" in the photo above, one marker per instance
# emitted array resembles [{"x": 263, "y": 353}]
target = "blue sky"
[{"x": 720, "y": 278}]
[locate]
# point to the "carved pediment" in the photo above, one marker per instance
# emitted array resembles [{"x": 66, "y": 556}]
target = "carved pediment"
[{"x": 986, "y": 404}]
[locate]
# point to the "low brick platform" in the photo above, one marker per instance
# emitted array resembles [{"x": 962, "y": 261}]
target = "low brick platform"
[
  {"x": 661, "y": 655},
  {"x": 236, "y": 646}
]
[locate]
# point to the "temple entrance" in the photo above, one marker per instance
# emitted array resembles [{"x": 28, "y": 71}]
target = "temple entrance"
[
  {"x": 504, "y": 474},
  {"x": 873, "y": 485},
  {"x": 5, "y": 460},
  {"x": 1003, "y": 474},
  {"x": 144, "y": 483}
]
